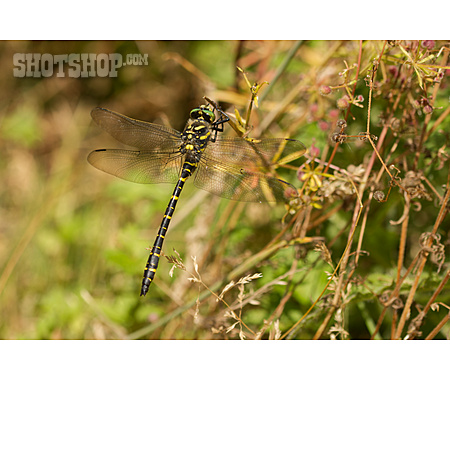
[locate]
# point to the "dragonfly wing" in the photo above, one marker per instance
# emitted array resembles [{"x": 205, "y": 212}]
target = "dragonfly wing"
[
  {"x": 137, "y": 166},
  {"x": 242, "y": 185},
  {"x": 252, "y": 152},
  {"x": 136, "y": 133},
  {"x": 234, "y": 168},
  {"x": 157, "y": 158}
]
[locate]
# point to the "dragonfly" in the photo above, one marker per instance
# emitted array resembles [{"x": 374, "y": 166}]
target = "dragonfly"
[{"x": 235, "y": 168}]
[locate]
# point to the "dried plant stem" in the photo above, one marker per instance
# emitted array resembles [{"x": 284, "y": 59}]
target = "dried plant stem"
[
  {"x": 395, "y": 293},
  {"x": 335, "y": 302},
  {"x": 344, "y": 257},
  {"x": 358, "y": 68},
  {"x": 255, "y": 259},
  {"x": 355, "y": 219},
  {"x": 265, "y": 288},
  {"x": 402, "y": 246},
  {"x": 342, "y": 269},
  {"x": 279, "y": 309},
  {"x": 394, "y": 323},
  {"x": 324, "y": 217},
  {"x": 438, "y": 327},
  {"x": 276, "y": 313},
  {"x": 413, "y": 330},
  {"x": 237, "y": 318},
  {"x": 426, "y": 134},
  {"x": 437, "y": 292},
  {"x": 343, "y": 262},
  {"x": 422, "y": 260},
  {"x": 437, "y": 123},
  {"x": 379, "y": 322}
]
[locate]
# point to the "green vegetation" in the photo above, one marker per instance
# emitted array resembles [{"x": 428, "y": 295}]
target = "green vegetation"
[{"x": 361, "y": 254}]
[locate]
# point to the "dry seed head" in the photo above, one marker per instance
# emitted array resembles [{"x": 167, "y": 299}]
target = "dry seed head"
[
  {"x": 342, "y": 103},
  {"x": 324, "y": 90},
  {"x": 379, "y": 196},
  {"x": 427, "y": 109}
]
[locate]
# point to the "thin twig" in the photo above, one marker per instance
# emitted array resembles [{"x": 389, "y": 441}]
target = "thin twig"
[{"x": 422, "y": 260}]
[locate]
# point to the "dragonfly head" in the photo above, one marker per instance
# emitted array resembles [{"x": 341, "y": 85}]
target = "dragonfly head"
[{"x": 203, "y": 113}]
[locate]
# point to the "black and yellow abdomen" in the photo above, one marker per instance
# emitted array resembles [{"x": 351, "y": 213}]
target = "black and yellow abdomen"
[{"x": 195, "y": 138}]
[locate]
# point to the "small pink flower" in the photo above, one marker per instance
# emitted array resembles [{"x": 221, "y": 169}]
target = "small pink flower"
[
  {"x": 393, "y": 70},
  {"x": 323, "y": 125},
  {"x": 429, "y": 45},
  {"x": 324, "y": 90},
  {"x": 314, "y": 151},
  {"x": 333, "y": 114}
]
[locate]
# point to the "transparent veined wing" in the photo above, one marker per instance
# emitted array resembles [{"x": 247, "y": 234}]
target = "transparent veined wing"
[
  {"x": 136, "y": 133},
  {"x": 157, "y": 158},
  {"x": 138, "y": 166},
  {"x": 237, "y": 169}
]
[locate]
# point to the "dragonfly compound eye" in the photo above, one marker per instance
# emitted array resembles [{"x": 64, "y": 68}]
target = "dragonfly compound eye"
[{"x": 203, "y": 113}]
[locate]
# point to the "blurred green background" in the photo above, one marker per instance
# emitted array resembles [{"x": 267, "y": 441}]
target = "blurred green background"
[{"x": 73, "y": 242}]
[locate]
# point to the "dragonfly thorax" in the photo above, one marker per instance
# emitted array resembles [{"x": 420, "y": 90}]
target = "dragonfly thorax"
[{"x": 195, "y": 138}]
